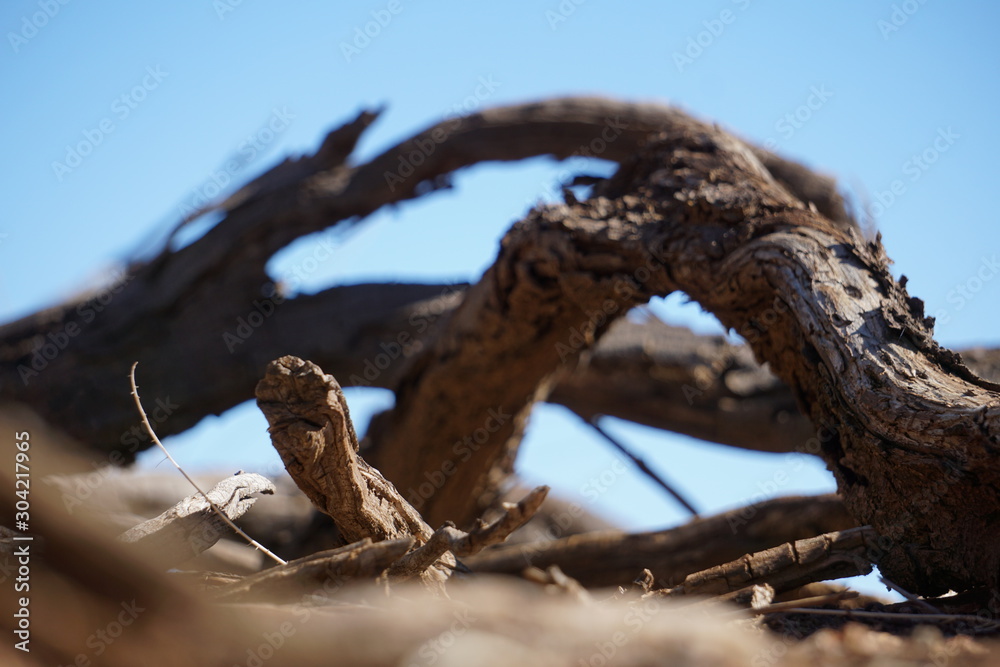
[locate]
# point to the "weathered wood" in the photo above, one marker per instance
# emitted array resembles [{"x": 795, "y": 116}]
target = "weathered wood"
[
  {"x": 311, "y": 428},
  {"x": 322, "y": 574},
  {"x": 697, "y": 212},
  {"x": 190, "y": 308},
  {"x": 448, "y": 538},
  {"x": 785, "y": 567},
  {"x": 703, "y": 386},
  {"x": 671, "y": 378},
  {"x": 614, "y": 558},
  {"x": 192, "y": 526}
]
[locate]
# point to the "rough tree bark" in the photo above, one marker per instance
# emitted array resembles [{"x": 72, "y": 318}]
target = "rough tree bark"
[
  {"x": 185, "y": 314},
  {"x": 908, "y": 430}
]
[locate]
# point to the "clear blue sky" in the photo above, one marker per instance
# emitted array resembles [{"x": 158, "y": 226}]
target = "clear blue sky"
[{"x": 885, "y": 95}]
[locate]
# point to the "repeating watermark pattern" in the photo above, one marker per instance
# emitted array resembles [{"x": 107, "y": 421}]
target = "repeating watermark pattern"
[
  {"x": 914, "y": 168},
  {"x": 592, "y": 490},
  {"x": 224, "y": 7},
  {"x": 273, "y": 293},
  {"x": 796, "y": 119},
  {"x": 595, "y": 148},
  {"x": 102, "y": 638},
  {"x": 247, "y": 151},
  {"x": 424, "y": 147},
  {"x": 793, "y": 462},
  {"x": 714, "y": 28},
  {"x": 406, "y": 344},
  {"x": 637, "y": 617},
  {"x": 963, "y": 293},
  {"x": 276, "y": 639},
  {"x": 261, "y": 310},
  {"x": 51, "y": 345},
  {"x": 901, "y": 13},
  {"x": 31, "y": 25},
  {"x": 363, "y": 35},
  {"x": 431, "y": 651},
  {"x": 121, "y": 108},
  {"x": 626, "y": 288},
  {"x": 562, "y": 12},
  {"x": 76, "y": 489},
  {"x": 462, "y": 450}
]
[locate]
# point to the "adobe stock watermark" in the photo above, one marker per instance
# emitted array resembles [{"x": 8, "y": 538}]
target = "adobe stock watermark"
[
  {"x": 262, "y": 309},
  {"x": 424, "y": 145},
  {"x": 407, "y": 343},
  {"x": 273, "y": 293},
  {"x": 121, "y": 108},
  {"x": 626, "y": 292},
  {"x": 224, "y": 7},
  {"x": 462, "y": 450},
  {"x": 363, "y": 35},
  {"x": 246, "y": 153},
  {"x": 75, "y": 490},
  {"x": 639, "y": 614},
  {"x": 795, "y": 120},
  {"x": 901, "y": 13},
  {"x": 562, "y": 12},
  {"x": 31, "y": 25},
  {"x": 700, "y": 42},
  {"x": 102, "y": 638},
  {"x": 769, "y": 488},
  {"x": 592, "y": 490},
  {"x": 431, "y": 651},
  {"x": 914, "y": 168},
  {"x": 595, "y": 148},
  {"x": 46, "y": 348},
  {"x": 963, "y": 293}
]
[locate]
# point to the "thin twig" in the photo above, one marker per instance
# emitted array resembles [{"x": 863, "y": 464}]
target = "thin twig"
[
  {"x": 801, "y": 603},
  {"x": 215, "y": 508},
  {"x": 887, "y": 615},
  {"x": 910, "y": 596},
  {"x": 643, "y": 467}
]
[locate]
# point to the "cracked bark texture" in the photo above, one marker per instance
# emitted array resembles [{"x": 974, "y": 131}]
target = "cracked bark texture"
[
  {"x": 908, "y": 430},
  {"x": 185, "y": 314},
  {"x": 311, "y": 428}
]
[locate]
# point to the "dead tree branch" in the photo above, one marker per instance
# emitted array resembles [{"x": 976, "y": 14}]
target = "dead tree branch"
[
  {"x": 786, "y": 567},
  {"x": 211, "y": 309},
  {"x": 192, "y": 526},
  {"x": 614, "y": 558}
]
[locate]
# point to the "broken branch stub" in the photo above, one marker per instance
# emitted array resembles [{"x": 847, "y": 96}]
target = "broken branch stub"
[{"x": 311, "y": 428}]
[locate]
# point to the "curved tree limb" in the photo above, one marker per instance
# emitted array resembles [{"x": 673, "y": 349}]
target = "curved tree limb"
[
  {"x": 697, "y": 212},
  {"x": 205, "y": 319}
]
